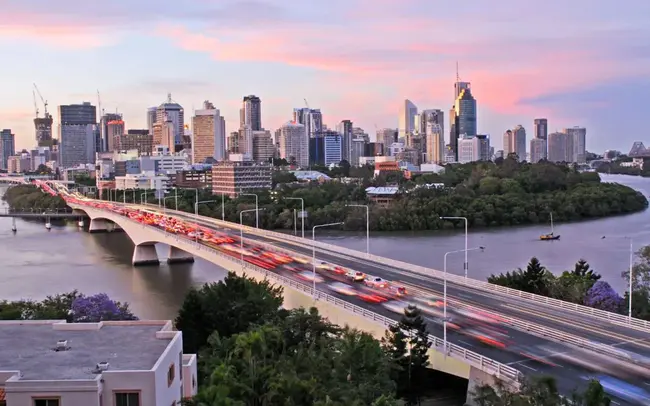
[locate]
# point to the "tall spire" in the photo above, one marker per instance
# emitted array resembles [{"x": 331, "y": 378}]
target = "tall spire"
[{"x": 457, "y": 75}]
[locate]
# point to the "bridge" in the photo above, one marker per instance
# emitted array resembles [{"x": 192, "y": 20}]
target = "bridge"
[
  {"x": 39, "y": 213},
  {"x": 551, "y": 337}
]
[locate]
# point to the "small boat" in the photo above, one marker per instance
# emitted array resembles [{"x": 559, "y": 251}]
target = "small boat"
[
  {"x": 48, "y": 225},
  {"x": 550, "y": 236}
]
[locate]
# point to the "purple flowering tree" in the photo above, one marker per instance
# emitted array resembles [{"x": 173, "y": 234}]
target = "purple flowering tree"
[
  {"x": 99, "y": 307},
  {"x": 602, "y": 296}
]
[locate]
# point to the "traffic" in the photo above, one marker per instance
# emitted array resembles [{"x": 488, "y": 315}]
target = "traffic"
[{"x": 386, "y": 296}]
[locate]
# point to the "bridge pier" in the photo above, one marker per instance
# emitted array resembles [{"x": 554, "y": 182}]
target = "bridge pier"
[
  {"x": 145, "y": 255},
  {"x": 178, "y": 256},
  {"x": 98, "y": 226},
  {"x": 478, "y": 378}
]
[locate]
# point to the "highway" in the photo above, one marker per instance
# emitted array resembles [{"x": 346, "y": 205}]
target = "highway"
[{"x": 544, "y": 357}]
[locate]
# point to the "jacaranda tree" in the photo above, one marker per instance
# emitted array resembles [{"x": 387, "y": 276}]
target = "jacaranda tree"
[
  {"x": 99, "y": 307},
  {"x": 602, "y": 296}
]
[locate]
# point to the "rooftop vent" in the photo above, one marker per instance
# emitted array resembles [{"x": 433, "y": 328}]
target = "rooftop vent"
[
  {"x": 61, "y": 345},
  {"x": 102, "y": 366}
]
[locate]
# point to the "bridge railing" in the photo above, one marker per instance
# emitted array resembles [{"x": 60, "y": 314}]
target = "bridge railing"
[{"x": 490, "y": 366}]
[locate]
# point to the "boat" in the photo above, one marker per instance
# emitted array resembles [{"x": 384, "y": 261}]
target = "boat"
[{"x": 550, "y": 236}]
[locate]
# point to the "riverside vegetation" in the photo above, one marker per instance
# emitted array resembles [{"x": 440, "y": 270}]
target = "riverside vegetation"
[
  {"x": 29, "y": 197},
  {"x": 489, "y": 194}
]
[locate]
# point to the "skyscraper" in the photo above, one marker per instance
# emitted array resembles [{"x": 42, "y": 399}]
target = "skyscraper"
[
  {"x": 43, "y": 127},
  {"x": 406, "y": 118},
  {"x": 152, "y": 114},
  {"x": 294, "y": 144},
  {"x": 7, "y": 147},
  {"x": 434, "y": 132},
  {"x": 252, "y": 113},
  {"x": 519, "y": 141},
  {"x": 558, "y": 150},
  {"x": 537, "y": 149},
  {"x": 77, "y": 134},
  {"x": 577, "y": 137},
  {"x": 465, "y": 108},
  {"x": 311, "y": 119},
  {"x": 508, "y": 143},
  {"x": 208, "y": 134},
  {"x": 107, "y": 141},
  {"x": 386, "y": 136},
  {"x": 540, "y": 128},
  {"x": 175, "y": 113},
  {"x": 345, "y": 129}
]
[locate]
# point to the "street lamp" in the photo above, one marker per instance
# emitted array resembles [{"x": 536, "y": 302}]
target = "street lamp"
[
  {"x": 466, "y": 264},
  {"x": 196, "y": 204},
  {"x": 313, "y": 251},
  {"x": 367, "y": 224},
  {"x": 302, "y": 212},
  {"x": 241, "y": 234},
  {"x": 165, "y": 203},
  {"x": 629, "y": 310},
  {"x": 444, "y": 290},
  {"x": 196, "y": 210},
  {"x": 257, "y": 214}
]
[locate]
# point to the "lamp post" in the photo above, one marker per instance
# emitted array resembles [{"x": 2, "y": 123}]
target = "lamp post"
[
  {"x": 313, "y": 251},
  {"x": 241, "y": 234},
  {"x": 444, "y": 294},
  {"x": 631, "y": 270},
  {"x": 165, "y": 203},
  {"x": 176, "y": 198},
  {"x": 302, "y": 212},
  {"x": 145, "y": 197},
  {"x": 196, "y": 204},
  {"x": 134, "y": 196},
  {"x": 257, "y": 214},
  {"x": 223, "y": 206},
  {"x": 196, "y": 210},
  {"x": 295, "y": 222},
  {"x": 466, "y": 264},
  {"x": 367, "y": 224}
]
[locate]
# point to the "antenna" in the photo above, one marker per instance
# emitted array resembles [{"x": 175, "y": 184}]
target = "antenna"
[{"x": 457, "y": 76}]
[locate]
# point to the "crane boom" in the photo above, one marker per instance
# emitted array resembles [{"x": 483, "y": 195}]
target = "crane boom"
[
  {"x": 42, "y": 99},
  {"x": 307, "y": 104},
  {"x": 35, "y": 104}
]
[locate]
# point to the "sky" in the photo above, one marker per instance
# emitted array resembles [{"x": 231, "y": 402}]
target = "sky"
[{"x": 577, "y": 63}]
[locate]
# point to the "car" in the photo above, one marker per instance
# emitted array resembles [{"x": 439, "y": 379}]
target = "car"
[
  {"x": 376, "y": 282},
  {"x": 356, "y": 276},
  {"x": 342, "y": 288},
  {"x": 310, "y": 276}
]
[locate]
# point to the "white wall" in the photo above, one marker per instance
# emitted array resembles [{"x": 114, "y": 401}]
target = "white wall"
[
  {"x": 129, "y": 381},
  {"x": 165, "y": 393},
  {"x": 70, "y": 392}
]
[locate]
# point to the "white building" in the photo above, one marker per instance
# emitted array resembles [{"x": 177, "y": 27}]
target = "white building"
[
  {"x": 406, "y": 118},
  {"x": 537, "y": 150},
  {"x": 294, "y": 144},
  {"x": 471, "y": 149},
  {"x": 577, "y": 137},
  {"x": 112, "y": 363},
  {"x": 145, "y": 180}
]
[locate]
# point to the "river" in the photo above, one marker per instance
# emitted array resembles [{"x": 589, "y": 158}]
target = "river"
[{"x": 35, "y": 263}]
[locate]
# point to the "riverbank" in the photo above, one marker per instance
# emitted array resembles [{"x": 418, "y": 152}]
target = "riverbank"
[{"x": 30, "y": 198}]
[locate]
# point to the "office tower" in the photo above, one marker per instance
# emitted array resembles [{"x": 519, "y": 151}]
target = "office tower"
[
  {"x": 326, "y": 148},
  {"x": 540, "y": 128},
  {"x": 459, "y": 87},
  {"x": 164, "y": 134},
  {"x": 173, "y": 112},
  {"x": 453, "y": 133},
  {"x": 558, "y": 150},
  {"x": 577, "y": 137},
  {"x": 311, "y": 119},
  {"x": 345, "y": 129},
  {"x": 233, "y": 142},
  {"x": 508, "y": 143},
  {"x": 208, "y": 134},
  {"x": 406, "y": 118},
  {"x": 43, "y": 127},
  {"x": 7, "y": 147},
  {"x": 433, "y": 122},
  {"x": 106, "y": 140},
  {"x": 140, "y": 140},
  {"x": 482, "y": 142},
  {"x": 537, "y": 150},
  {"x": 152, "y": 114},
  {"x": 519, "y": 142},
  {"x": 251, "y": 113},
  {"x": 245, "y": 142},
  {"x": 387, "y": 136},
  {"x": 77, "y": 134},
  {"x": 294, "y": 144},
  {"x": 263, "y": 146},
  {"x": 465, "y": 109},
  {"x": 114, "y": 132},
  {"x": 472, "y": 149}
]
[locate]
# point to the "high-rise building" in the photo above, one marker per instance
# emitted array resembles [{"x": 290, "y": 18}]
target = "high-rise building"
[
  {"x": 312, "y": 119},
  {"x": 558, "y": 147},
  {"x": 252, "y": 113},
  {"x": 164, "y": 134},
  {"x": 208, "y": 134},
  {"x": 508, "y": 143},
  {"x": 77, "y": 134},
  {"x": 472, "y": 149},
  {"x": 465, "y": 108},
  {"x": 519, "y": 142},
  {"x": 245, "y": 142},
  {"x": 294, "y": 144},
  {"x": 43, "y": 127},
  {"x": 325, "y": 148},
  {"x": 7, "y": 147},
  {"x": 406, "y": 118},
  {"x": 140, "y": 140},
  {"x": 453, "y": 133},
  {"x": 106, "y": 140},
  {"x": 540, "y": 128},
  {"x": 263, "y": 146},
  {"x": 577, "y": 137},
  {"x": 152, "y": 114},
  {"x": 173, "y": 112},
  {"x": 115, "y": 132},
  {"x": 387, "y": 136},
  {"x": 345, "y": 129},
  {"x": 234, "y": 178},
  {"x": 485, "y": 150},
  {"x": 459, "y": 87},
  {"x": 433, "y": 130},
  {"x": 537, "y": 149}
]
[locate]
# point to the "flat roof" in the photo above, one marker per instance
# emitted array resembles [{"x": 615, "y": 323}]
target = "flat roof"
[{"x": 29, "y": 348}]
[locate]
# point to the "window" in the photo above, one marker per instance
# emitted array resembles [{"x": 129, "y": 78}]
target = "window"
[
  {"x": 46, "y": 402},
  {"x": 171, "y": 374},
  {"x": 127, "y": 399}
]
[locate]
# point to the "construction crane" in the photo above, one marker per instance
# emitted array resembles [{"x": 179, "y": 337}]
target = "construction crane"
[
  {"x": 307, "y": 104},
  {"x": 99, "y": 104},
  {"x": 46, "y": 114},
  {"x": 35, "y": 104}
]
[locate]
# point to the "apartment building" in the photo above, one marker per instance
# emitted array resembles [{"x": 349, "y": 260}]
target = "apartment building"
[
  {"x": 111, "y": 363},
  {"x": 240, "y": 176}
]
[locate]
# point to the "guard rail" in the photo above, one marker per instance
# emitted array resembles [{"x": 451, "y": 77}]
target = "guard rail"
[{"x": 492, "y": 367}]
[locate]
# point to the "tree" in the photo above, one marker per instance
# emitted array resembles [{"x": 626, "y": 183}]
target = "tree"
[
  {"x": 535, "y": 277},
  {"x": 99, "y": 307},
  {"x": 602, "y": 296},
  {"x": 228, "y": 307},
  {"x": 582, "y": 269},
  {"x": 407, "y": 345}
]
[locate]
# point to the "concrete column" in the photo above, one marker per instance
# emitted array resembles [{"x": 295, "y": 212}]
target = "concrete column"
[
  {"x": 478, "y": 378},
  {"x": 98, "y": 226},
  {"x": 145, "y": 255},
  {"x": 178, "y": 256}
]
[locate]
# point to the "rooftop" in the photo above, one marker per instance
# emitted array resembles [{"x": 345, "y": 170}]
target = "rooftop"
[
  {"x": 28, "y": 347},
  {"x": 386, "y": 190},
  {"x": 310, "y": 175}
]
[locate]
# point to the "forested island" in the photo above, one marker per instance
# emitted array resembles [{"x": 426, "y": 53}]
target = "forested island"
[
  {"x": 26, "y": 198},
  {"x": 489, "y": 194}
]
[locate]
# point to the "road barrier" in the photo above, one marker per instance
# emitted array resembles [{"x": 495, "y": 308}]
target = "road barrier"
[{"x": 503, "y": 372}]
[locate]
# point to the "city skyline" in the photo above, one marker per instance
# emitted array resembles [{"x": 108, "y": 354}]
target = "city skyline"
[{"x": 587, "y": 75}]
